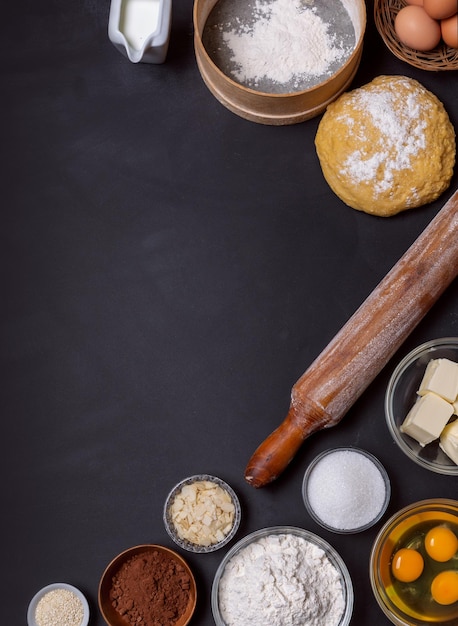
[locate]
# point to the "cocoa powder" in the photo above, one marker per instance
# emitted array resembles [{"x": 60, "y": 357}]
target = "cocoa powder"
[{"x": 151, "y": 589}]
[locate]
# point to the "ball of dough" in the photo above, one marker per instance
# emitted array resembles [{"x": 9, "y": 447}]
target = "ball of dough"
[{"x": 387, "y": 146}]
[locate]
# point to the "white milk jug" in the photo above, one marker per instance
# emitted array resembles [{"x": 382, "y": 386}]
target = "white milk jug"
[{"x": 140, "y": 29}]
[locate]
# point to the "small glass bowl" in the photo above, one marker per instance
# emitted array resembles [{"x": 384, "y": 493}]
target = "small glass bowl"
[
  {"x": 31, "y": 621},
  {"x": 331, "y": 553},
  {"x": 401, "y": 395},
  {"x": 109, "y": 613},
  {"x": 340, "y": 477},
  {"x": 170, "y": 527},
  {"x": 404, "y": 528}
]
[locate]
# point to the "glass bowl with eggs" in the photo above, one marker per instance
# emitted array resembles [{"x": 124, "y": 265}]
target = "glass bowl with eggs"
[{"x": 414, "y": 564}]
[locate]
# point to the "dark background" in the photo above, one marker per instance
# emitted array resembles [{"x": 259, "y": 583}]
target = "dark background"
[{"x": 169, "y": 271}]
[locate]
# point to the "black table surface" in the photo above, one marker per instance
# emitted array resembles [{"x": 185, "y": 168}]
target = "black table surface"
[{"x": 170, "y": 269}]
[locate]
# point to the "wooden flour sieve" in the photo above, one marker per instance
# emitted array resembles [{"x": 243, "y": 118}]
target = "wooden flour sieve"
[{"x": 364, "y": 345}]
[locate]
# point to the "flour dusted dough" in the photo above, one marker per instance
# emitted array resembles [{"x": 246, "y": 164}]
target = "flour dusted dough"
[{"x": 387, "y": 146}]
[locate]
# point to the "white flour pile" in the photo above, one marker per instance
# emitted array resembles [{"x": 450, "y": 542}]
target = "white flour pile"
[
  {"x": 283, "y": 580},
  {"x": 287, "y": 42}
]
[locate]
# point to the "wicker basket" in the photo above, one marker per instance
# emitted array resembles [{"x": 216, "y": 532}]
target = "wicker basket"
[{"x": 441, "y": 58}]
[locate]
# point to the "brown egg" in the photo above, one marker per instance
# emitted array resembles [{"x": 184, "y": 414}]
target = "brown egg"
[
  {"x": 440, "y": 9},
  {"x": 416, "y": 29},
  {"x": 417, "y": 2},
  {"x": 449, "y": 30}
]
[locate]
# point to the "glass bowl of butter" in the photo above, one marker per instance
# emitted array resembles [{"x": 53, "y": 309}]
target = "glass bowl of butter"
[
  {"x": 202, "y": 513},
  {"x": 421, "y": 405}
]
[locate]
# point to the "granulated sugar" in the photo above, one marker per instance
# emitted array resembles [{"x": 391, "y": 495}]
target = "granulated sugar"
[
  {"x": 279, "y": 45},
  {"x": 346, "y": 490}
]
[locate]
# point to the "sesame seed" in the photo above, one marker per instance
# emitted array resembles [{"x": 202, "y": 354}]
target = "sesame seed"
[{"x": 59, "y": 607}]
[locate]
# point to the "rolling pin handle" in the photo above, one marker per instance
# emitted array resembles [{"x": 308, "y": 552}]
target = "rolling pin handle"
[{"x": 276, "y": 452}]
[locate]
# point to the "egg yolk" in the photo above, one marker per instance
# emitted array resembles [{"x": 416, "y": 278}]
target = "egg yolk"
[
  {"x": 407, "y": 565},
  {"x": 441, "y": 543},
  {"x": 444, "y": 587}
]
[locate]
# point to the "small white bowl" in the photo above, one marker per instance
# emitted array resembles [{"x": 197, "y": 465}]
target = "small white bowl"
[
  {"x": 346, "y": 488},
  {"x": 31, "y": 621},
  {"x": 401, "y": 395},
  {"x": 170, "y": 527},
  {"x": 334, "y": 558}
]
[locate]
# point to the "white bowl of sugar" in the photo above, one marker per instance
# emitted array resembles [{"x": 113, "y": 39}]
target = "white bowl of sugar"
[{"x": 346, "y": 490}]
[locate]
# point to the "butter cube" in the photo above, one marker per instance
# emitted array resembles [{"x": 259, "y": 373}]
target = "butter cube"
[
  {"x": 427, "y": 418},
  {"x": 449, "y": 441},
  {"x": 440, "y": 377}
]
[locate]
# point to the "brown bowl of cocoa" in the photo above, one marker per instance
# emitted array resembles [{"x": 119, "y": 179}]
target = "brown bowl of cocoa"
[{"x": 149, "y": 585}]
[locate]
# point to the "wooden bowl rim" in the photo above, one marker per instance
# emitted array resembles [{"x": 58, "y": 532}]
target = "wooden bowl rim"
[
  {"x": 117, "y": 561},
  {"x": 198, "y": 43}
]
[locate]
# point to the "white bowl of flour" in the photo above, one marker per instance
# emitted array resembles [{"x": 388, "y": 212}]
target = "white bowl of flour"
[{"x": 285, "y": 576}]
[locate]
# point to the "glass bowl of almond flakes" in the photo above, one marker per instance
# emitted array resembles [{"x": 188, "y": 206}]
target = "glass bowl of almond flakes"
[{"x": 202, "y": 513}]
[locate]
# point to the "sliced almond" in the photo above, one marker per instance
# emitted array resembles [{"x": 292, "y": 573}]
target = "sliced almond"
[{"x": 203, "y": 513}]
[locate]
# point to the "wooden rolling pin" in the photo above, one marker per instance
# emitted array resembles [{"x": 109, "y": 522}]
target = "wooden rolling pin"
[{"x": 364, "y": 345}]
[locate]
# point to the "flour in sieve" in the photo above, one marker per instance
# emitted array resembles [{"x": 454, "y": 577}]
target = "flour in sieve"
[
  {"x": 281, "y": 45},
  {"x": 283, "y": 580}
]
